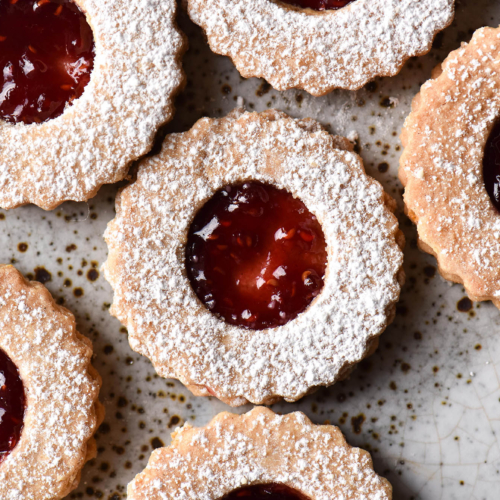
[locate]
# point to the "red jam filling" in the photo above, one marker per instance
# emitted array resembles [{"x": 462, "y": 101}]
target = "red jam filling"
[
  {"x": 255, "y": 255},
  {"x": 271, "y": 491},
  {"x": 46, "y": 56},
  {"x": 491, "y": 166},
  {"x": 12, "y": 405},
  {"x": 319, "y": 4}
]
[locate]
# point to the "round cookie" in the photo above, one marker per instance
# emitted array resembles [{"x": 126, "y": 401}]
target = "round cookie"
[
  {"x": 168, "y": 323},
  {"x": 61, "y": 388},
  {"x": 319, "y": 51},
  {"x": 445, "y": 137},
  {"x": 238, "y": 453},
  {"x": 135, "y": 78}
]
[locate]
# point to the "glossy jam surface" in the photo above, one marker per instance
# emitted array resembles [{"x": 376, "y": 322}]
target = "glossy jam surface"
[
  {"x": 319, "y": 4},
  {"x": 12, "y": 405},
  {"x": 256, "y": 256},
  {"x": 491, "y": 166},
  {"x": 46, "y": 57},
  {"x": 271, "y": 491}
]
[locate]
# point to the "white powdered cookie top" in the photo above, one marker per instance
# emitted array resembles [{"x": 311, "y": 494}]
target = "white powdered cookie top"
[
  {"x": 53, "y": 362},
  {"x": 136, "y": 74},
  {"x": 444, "y": 138},
  {"x": 168, "y": 323},
  {"x": 320, "y": 51},
  {"x": 257, "y": 448}
]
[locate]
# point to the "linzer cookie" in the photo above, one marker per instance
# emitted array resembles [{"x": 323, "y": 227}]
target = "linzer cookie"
[
  {"x": 259, "y": 456},
  {"x": 253, "y": 259},
  {"x": 450, "y": 166},
  {"x": 48, "y": 393},
  {"x": 320, "y": 45},
  {"x": 84, "y": 90}
]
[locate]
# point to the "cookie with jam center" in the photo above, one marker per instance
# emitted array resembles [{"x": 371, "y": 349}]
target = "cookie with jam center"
[
  {"x": 320, "y": 45},
  {"x": 451, "y": 166},
  {"x": 253, "y": 259},
  {"x": 85, "y": 86},
  {"x": 49, "y": 408},
  {"x": 259, "y": 455}
]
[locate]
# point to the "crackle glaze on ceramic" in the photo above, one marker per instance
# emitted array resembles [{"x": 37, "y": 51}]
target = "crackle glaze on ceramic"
[{"x": 426, "y": 404}]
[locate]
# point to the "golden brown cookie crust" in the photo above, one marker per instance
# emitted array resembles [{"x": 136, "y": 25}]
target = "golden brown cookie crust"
[
  {"x": 441, "y": 167},
  {"x": 319, "y": 51},
  {"x": 61, "y": 386},
  {"x": 259, "y": 447},
  {"x": 184, "y": 340},
  {"x": 136, "y": 75}
]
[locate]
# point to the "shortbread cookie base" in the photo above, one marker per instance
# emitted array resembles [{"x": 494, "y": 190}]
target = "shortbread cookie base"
[
  {"x": 256, "y": 448},
  {"x": 319, "y": 51},
  {"x": 454, "y": 277},
  {"x": 61, "y": 386},
  {"x": 137, "y": 73},
  {"x": 167, "y": 322},
  {"x": 441, "y": 167}
]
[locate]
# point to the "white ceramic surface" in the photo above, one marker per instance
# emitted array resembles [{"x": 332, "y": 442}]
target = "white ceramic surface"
[{"x": 427, "y": 404}]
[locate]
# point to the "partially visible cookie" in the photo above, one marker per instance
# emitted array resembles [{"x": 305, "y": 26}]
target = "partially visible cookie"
[
  {"x": 49, "y": 409},
  {"x": 449, "y": 179},
  {"x": 94, "y": 138},
  {"x": 259, "y": 454},
  {"x": 318, "y": 51},
  {"x": 163, "y": 264}
]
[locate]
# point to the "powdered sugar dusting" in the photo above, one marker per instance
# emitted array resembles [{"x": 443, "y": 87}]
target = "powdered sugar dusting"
[
  {"x": 320, "y": 51},
  {"x": 61, "y": 391},
  {"x": 136, "y": 74},
  {"x": 257, "y": 448},
  {"x": 166, "y": 321},
  {"x": 442, "y": 166}
]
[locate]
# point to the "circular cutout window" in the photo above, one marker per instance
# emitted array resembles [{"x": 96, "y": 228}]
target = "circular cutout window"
[
  {"x": 256, "y": 256},
  {"x": 46, "y": 57},
  {"x": 12, "y": 405}
]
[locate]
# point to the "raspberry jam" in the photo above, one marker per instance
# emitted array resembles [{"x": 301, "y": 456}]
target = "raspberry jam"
[
  {"x": 46, "y": 56},
  {"x": 491, "y": 166},
  {"x": 12, "y": 405},
  {"x": 319, "y": 4},
  {"x": 255, "y": 255},
  {"x": 271, "y": 491}
]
